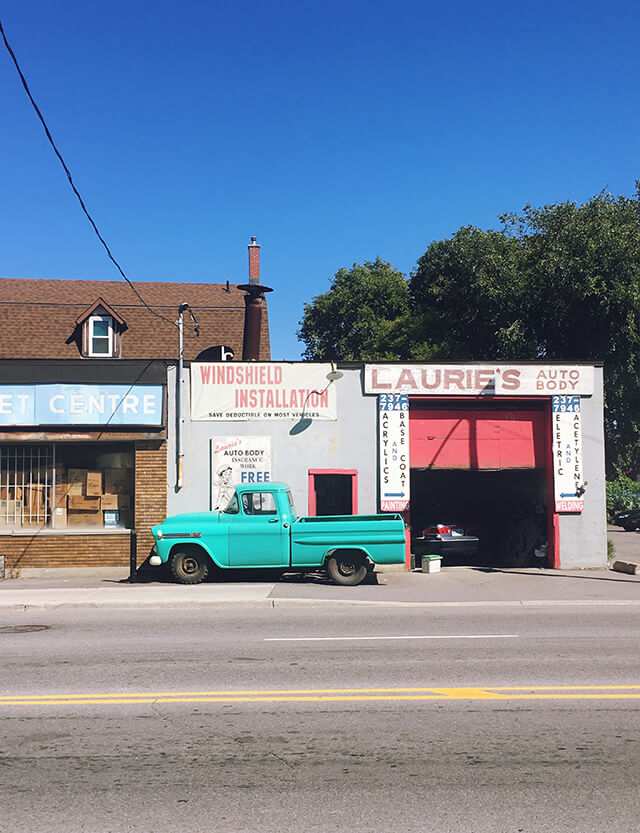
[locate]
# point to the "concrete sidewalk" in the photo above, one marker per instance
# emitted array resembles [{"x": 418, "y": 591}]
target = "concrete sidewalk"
[{"x": 459, "y": 586}]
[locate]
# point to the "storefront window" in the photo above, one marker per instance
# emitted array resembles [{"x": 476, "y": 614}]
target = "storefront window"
[
  {"x": 66, "y": 486},
  {"x": 26, "y": 477}
]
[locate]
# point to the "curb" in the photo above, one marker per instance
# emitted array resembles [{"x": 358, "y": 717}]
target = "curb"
[
  {"x": 289, "y": 602},
  {"x": 626, "y": 567}
]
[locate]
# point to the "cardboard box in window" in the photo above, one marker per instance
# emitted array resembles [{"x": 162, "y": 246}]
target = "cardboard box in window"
[
  {"x": 93, "y": 486},
  {"x": 59, "y": 517},
  {"x": 118, "y": 481},
  {"x": 109, "y": 502},
  {"x": 10, "y": 492},
  {"x": 10, "y": 512},
  {"x": 35, "y": 503},
  {"x": 76, "y": 517},
  {"x": 84, "y": 504},
  {"x": 76, "y": 480},
  {"x": 62, "y": 491}
]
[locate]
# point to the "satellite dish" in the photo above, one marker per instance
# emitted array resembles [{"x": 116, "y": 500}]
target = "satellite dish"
[{"x": 218, "y": 353}]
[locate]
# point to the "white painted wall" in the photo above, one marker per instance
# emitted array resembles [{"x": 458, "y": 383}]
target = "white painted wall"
[
  {"x": 583, "y": 536},
  {"x": 348, "y": 443}
]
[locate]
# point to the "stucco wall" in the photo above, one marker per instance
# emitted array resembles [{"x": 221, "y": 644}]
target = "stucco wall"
[
  {"x": 583, "y": 536},
  {"x": 348, "y": 443}
]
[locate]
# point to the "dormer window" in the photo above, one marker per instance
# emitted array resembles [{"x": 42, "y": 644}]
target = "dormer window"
[
  {"x": 99, "y": 330},
  {"x": 101, "y": 336}
]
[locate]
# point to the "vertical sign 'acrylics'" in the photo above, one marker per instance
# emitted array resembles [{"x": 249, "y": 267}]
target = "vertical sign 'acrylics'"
[
  {"x": 237, "y": 460},
  {"x": 393, "y": 438},
  {"x": 567, "y": 453}
]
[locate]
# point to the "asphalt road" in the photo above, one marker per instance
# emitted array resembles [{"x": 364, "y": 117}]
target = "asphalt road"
[{"x": 258, "y": 719}]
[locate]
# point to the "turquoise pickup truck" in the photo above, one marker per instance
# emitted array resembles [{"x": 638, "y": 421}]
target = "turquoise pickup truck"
[{"x": 260, "y": 529}]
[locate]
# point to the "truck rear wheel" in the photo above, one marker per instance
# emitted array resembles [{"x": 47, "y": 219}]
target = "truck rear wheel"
[
  {"x": 347, "y": 568},
  {"x": 189, "y": 566}
]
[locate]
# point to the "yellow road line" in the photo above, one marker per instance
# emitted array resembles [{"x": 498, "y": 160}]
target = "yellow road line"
[{"x": 596, "y": 692}]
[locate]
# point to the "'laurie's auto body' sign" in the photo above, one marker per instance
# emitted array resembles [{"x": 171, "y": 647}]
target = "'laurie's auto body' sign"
[{"x": 479, "y": 379}]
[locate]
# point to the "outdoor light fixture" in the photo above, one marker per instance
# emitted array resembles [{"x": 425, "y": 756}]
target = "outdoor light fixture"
[{"x": 334, "y": 374}]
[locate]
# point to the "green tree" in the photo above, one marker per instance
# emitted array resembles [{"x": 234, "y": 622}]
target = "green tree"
[
  {"x": 584, "y": 296},
  {"x": 467, "y": 292},
  {"x": 359, "y": 318}
]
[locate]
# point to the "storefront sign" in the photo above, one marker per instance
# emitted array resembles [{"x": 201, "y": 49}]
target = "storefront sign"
[
  {"x": 237, "y": 460},
  {"x": 567, "y": 454},
  {"x": 250, "y": 390},
  {"x": 479, "y": 380},
  {"x": 393, "y": 440},
  {"x": 80, "y": 405}
]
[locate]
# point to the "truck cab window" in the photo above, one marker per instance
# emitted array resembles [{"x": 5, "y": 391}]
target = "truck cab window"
[
  {"x": 258, "y": 503},
  {"x": 232, "y": 507}
]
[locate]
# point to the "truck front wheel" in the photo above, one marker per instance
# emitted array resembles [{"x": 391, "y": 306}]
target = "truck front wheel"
[
  {"x": 189, "y": 566},
  {"x": 347, "y": 568}
]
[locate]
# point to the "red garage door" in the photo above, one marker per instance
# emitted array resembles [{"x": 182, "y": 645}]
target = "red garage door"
[{"x": 476, "y": 439}]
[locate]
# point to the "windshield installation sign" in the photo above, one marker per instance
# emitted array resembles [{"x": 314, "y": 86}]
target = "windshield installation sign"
[
  {"x": 222, "y": 391},
  {"x": 80, "y": 405},
  {"x": 393, "y": 439},
  {"x": 479, "y": 380},
  {"x": 567, "y": 453},
  {"x": 236, "y": 460}
]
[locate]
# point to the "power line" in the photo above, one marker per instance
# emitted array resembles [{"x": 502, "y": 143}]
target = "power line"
[{"x": 71, "y": 182}]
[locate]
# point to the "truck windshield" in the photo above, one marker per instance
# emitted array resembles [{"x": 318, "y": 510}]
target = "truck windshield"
[{"x": 232, "y": 507}]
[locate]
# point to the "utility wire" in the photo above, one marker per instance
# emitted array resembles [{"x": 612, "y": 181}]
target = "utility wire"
[{"x": 71, "y": 182}]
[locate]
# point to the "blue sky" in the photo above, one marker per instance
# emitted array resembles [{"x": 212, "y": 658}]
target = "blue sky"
[{"x": 335, "y": 132}]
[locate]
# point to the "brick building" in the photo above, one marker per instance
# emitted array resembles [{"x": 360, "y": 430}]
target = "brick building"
[{"x": 83, "y": 409}]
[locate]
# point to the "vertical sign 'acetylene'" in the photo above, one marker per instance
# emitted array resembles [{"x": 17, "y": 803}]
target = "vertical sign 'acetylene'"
[
  {"x": 393, "y": 433},
  {"x": 567, "y": 453}
]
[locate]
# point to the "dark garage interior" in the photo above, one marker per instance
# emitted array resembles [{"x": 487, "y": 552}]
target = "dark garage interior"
[{"x": 506, "y": 510}]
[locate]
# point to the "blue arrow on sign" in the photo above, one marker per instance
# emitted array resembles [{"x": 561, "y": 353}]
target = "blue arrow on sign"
[
  {"x": 568, "y": 494},
  {"x": 394, "y": 494}
]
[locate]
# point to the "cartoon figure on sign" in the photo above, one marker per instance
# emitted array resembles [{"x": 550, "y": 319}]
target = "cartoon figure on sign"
[{"x": 224, "y": 488}]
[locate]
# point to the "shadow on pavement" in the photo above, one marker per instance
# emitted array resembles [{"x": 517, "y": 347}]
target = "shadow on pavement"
[
  {"x": 162, "y": 575},
  {"x": 548, "y": 573}
]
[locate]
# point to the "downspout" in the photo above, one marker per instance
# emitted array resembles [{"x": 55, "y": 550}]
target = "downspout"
[{"x": 179, "y": 394}]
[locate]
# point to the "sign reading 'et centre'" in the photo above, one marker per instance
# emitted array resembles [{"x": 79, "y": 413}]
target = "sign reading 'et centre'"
[{"x": 80, "y": 405}]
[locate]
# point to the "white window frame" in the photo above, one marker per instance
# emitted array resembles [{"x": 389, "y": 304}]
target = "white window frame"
[{"x": 90, "y": 352}]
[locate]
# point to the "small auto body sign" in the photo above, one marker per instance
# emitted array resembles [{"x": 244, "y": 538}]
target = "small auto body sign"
[
  {"x": 567, "y": 454},
  {"x": 393, "y": 439},
  {"x": 237, "y": 460}
]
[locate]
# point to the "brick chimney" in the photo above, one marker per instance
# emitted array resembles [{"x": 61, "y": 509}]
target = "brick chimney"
[
  {"x": 254, "y": 261},
  {"x": 253, "y": 303}
]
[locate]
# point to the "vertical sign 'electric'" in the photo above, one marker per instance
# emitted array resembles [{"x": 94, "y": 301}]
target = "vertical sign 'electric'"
[{"x": 567, "y": 453}]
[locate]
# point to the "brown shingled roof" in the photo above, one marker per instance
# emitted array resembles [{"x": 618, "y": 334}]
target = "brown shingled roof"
[{"x": 37, "y": 317}]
